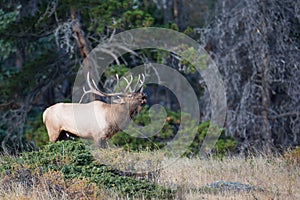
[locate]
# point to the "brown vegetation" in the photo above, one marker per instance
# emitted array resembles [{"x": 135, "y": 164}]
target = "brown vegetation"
[{"x": 270, "y": 177}]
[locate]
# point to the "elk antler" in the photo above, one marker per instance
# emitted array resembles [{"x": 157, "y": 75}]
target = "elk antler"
[
  {"x": 128, "y": 83},
  {"x": 93, "y": 90},
  {"x": 139, "y": 84}
]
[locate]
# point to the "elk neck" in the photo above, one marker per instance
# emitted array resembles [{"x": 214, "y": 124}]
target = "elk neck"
[{"x": 120, "y": 114}]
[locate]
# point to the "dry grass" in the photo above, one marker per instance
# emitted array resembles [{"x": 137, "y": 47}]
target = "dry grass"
[
  {"x": 278, "y": 178},
  {"x": 48, "y": 186},
  {"x": 129, "y": 161}
]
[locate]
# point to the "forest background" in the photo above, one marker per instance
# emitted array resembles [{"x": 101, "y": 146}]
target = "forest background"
[{"x": 255, "y": 45}]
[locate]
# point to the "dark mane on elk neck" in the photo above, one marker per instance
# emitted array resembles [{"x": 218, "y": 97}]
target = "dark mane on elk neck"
[{"x": 107, "y": 120}]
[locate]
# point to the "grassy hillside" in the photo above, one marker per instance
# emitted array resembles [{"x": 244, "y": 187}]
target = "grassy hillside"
[{"x": 68, "y": 170}]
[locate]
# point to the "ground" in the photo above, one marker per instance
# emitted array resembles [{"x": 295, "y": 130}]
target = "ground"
[{"x": 77, "y": 172}]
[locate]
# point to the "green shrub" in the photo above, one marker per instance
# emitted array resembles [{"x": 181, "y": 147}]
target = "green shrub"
[
  {"x": 122, "y": 139},
  {"x": 167, "y": 133}
]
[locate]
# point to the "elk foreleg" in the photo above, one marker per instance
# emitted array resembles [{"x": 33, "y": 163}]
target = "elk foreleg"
[{"x": 53, "y": 134}]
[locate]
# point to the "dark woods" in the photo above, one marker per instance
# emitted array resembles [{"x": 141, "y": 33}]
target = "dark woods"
[{"x": 254, "y": 44}]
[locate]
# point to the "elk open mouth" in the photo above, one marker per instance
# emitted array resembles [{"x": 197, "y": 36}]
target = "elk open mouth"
[{"x": 143, "y": 101}]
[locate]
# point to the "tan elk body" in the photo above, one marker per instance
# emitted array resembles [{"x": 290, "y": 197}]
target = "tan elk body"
[{"x": 95, "y": 120}]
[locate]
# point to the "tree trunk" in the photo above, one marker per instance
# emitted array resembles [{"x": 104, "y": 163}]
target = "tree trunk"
[{"x": 265, "y": 86}]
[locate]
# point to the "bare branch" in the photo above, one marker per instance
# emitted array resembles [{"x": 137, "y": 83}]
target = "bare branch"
[{"x": 288, "y": 114}]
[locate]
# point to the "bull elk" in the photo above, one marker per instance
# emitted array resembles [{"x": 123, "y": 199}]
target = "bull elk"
[{"x": 95, "y": 120}]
